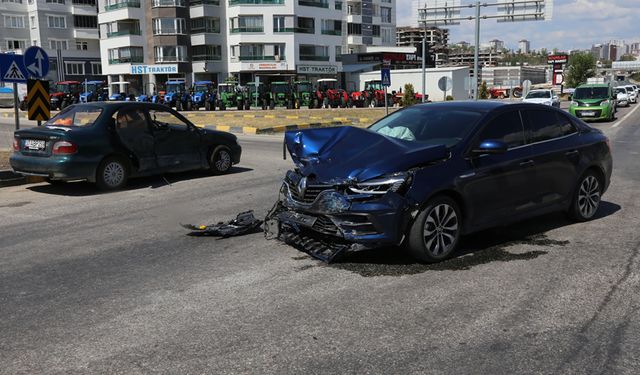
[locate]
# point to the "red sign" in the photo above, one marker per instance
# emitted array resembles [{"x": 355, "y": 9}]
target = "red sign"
[{"x": 557, "y": 59}]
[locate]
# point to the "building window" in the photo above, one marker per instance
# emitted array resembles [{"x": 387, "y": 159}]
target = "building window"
[
  {"x": 82, "y": 45},
  {"x": 167, "y": 3},
  {"x": 57, "y": 22},
  {"x": 12, "y": 1},
  {"x": 306, "y": 25},
  {"x": 54, "y": 1},
  {"x": 163, "y": 26},
  {"x": 387, "y": 36},
  {"x": 170, "y": 53},
  {"x": 73, "y": 68},
  {"x": 385, "y": 14},
  {"x": 338, "y": 5},
  {"x": 338, "y": 53},
  {"x": 84, "y": 2},
  {"x": 205, "y": 25},
  {"x": 310, "y": 52},
  {"x": 375, "y": 30},
  {"x": 85, "y": 22},
  {"x": 57, "y": 44},
  {"x": 16, "y": 44},
  {"x": 279, "y": 24},
  {"x": 332, "y": 27},
  {"x": 125, "y": 55},
  {"x": 96, "y": 68},
  {"x": 14, "y": 22},
  {"x": 249, "y": 24},
  {"x": 206, "y": 53},
  {"x": 354, "y": 29}
]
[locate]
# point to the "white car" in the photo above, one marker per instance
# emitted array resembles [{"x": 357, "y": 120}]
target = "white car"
[
  {"x": 633, "y": 94},
  {"x": 622, "y": 96},
  {"x": 546, "y": 97}
]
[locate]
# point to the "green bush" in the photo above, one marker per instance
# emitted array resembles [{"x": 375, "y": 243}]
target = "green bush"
[
  {"x": 483, "y": 92},
  {"x": 449, "y": 98},
  {"x": 409, "y": 95}
]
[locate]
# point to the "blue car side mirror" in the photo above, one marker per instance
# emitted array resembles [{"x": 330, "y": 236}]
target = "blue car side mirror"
[{"x": 491, "y": 147}]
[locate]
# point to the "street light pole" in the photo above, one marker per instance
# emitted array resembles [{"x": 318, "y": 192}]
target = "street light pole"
[
  {"x": 424, "y": 63},
  {"x": 476, "y": 57}
]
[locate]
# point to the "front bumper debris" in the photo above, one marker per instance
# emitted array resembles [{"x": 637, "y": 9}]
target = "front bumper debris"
[{"x": 244, "y": 223}]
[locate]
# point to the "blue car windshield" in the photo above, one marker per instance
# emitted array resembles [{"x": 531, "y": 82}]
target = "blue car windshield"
[{"x": 435, "y": 126}]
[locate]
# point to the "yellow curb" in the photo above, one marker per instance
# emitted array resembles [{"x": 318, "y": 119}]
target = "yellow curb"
[
  {"x": 228, "y": 115},
  {"x": 249, "y": 116},
  {"x": 224, "y": 128},
  {"x": 269, "y": 116},
  {"x": 315, "y": 118},
  {"x": 340, "y": 119},
  {"x": 249, "y": 130},
  {"x": 292, "y": 117},
  {"x": 364, "y": 119}
]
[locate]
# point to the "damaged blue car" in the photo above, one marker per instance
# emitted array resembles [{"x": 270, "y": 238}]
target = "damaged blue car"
[{"x": 426, "y": 175}]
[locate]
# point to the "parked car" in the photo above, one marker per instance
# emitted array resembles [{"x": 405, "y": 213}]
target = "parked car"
[
  {"x": 427, "y": 174},
  {"x": 108, "y": 142},
  {"x": 622, "y": 97},
  {"x": 593, "y": 102},
  {"x": 546, "y": 97}
]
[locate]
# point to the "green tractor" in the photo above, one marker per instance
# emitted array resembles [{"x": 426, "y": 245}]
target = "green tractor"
[
  {"x": 228, "y": 96},
  {"x": 281, "y": 95},
  {"x": 303, "y": 95},
  {"x": 255, "y": 95}
]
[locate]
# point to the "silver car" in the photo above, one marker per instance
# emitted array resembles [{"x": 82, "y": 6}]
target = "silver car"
[{"x": 545, "y": 97}]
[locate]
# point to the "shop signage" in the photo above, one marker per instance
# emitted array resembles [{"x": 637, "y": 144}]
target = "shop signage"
[
  {"x": 317, "y": 69},
  {"x": 154, "y": 69},
  {"x": 264, "y": 66}
]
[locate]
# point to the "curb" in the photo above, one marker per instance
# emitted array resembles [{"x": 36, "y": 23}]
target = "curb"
[
  {"x": 11, "y": 178},
  {"x": 250, "y": 130}
]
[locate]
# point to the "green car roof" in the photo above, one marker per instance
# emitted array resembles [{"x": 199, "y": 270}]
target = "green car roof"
[{"x": 594, "y": 85}]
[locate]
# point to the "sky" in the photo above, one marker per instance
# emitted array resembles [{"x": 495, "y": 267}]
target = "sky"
[{"x": 576, "y": 24}]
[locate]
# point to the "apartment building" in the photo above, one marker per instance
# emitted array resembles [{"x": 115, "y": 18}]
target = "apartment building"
[
  {"x": 437, "y": 40},
  {"x": 149, "y": 42},
  {"x": 370, "y": 23},
  {"x": 66, "y": 29}
]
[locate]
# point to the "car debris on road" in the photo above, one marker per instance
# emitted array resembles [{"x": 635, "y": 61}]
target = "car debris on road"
[{"x": 244, "y": 223}]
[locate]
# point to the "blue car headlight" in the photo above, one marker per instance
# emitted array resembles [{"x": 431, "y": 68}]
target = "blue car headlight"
[
  {"x": 333, "y": 202},
  {"x": 395, "y": 182}
]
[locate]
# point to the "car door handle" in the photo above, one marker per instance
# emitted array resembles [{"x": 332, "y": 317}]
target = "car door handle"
[
  {"x": 572, "y": 153},
  {"x": 527, "y": 163}
]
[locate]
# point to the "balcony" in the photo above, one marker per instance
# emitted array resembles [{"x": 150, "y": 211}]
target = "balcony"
[
  {"x": 167, "y": 3},
  {"x": 302, "y": 30},
  {"x": 125, "y": 60},
  {"x": 114, "y": 34},
  {"x": 314, "y": 58},
  {"x": 332, "y": 32},
  {"x": 206, "y": 58},
  {"x": 195, "y": 3},
  {"x": 261, "y": 58},
  {"x": 314, "y": 3},
  {"x": 235, "y": 30},
  {"x": 122, "y": 4},
  {"x": 255, "y": 2}
]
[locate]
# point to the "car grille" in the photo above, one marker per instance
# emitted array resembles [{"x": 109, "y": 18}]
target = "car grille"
[
  {"x": 310, "y": 194},
  {"x": 597, "y": 113},
  {"x": 325, "y": 225}
]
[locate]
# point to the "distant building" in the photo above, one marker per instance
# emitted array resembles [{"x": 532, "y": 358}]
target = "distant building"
[
  {"x": 512, "y": 76},
  {"x": 524, "y": 46},
  {"x": 436, "y": 38},
  {"x": 466, "y": 58},
  {"x": 496, "y": 45}
]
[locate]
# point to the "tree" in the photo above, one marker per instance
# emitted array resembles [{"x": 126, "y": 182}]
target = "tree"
[
  {"x": 581, "y": 66},
  {"x": 409, "y": 96},
  {"x": 483, "y": 92},
  {"x": 628, "y": 58}
]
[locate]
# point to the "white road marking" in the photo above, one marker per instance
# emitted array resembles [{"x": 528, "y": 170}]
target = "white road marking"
[{"x": 625, "y": 117}]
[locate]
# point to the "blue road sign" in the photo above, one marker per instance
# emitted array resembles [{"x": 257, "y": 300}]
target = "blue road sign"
[
  {"x": 12, "y": 68},
  {"x": 36, "y": 61},
  {"x": 385, "y": 76}
]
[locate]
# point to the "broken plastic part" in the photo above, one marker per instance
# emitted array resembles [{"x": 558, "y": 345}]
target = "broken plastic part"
[{"x": 244, "y": 223}]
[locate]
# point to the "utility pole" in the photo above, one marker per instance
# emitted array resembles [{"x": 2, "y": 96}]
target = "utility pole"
[
  {"x": 476, "y": 54},
  {"x": 424, "y": 64}
]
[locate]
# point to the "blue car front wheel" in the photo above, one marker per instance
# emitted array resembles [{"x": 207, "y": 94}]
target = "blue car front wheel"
[{"x": 435, "y": 233}]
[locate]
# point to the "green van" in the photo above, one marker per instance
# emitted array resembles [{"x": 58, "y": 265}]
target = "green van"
[{"x": 593, "y": 102}]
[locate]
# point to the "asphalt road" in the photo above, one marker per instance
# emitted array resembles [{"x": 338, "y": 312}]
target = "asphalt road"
[{"x": 110, "y": 283}]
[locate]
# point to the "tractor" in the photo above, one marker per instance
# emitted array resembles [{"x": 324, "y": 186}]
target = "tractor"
[
  {"x": 204, "y": 95},
  {"x": 303, "y": 95},
  {"x": 281, "y": 95},
  {"x": 374, "y": 94},
  {"x": 329, "y": 95},
  {"x": 94, "y": 91},
  {"x": 177, "y": 95},
  {"x": 153, "y": 98},
  {"x": 122, "y": 96},
  {"x": 228, "y": 96},
  {"x": 252, "y": 96},
  {"x": 65, "y": 94}
]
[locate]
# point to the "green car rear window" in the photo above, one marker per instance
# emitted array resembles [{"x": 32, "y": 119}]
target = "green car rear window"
[{"x": 76, "y": 116}]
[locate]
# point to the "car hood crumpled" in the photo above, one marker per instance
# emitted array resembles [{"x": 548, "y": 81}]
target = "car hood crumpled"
[{"x": 348, "y": 153}]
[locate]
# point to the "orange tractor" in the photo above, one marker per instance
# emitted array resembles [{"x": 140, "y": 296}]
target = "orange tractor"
[{"x": 328, "y": 94}]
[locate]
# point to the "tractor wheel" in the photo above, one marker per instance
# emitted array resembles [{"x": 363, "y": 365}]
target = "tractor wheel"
[
  {"x": 343, "y": 103},
  {"x": 374, "y": 102},
  {"x": 190, "y": 106},
  {"x": 296, "y": 105},
  {"x": 272, "y": 104},
  {"x": 207, "y": 106},
  {"x": 179, "y": 105},
  {"x": 240, "y": 105}
]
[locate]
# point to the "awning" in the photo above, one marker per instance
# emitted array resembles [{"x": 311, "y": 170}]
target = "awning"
[{"x": 355, "y": 68}]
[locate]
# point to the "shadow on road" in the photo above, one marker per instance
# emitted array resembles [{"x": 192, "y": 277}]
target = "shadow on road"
[
  {"x": 83, "y": 188},
  {"x": 475, "y": 249}
]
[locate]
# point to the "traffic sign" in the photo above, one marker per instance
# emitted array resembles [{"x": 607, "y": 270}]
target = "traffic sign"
[
  {"x": 445, "y": 83},
  {"x": 36, "y": 61},
  {"x": 385, "y": 76},
  {"x": 12, "y": 68},
  {"x": 39, "y": 105}
]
